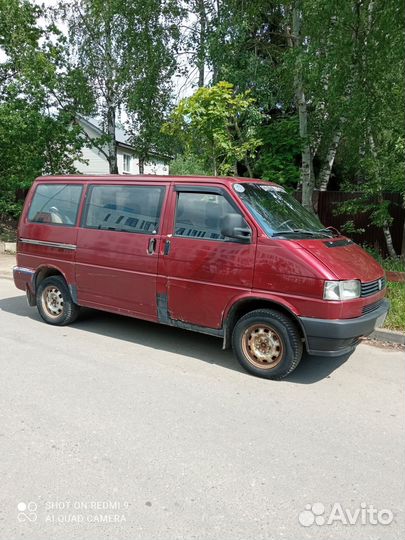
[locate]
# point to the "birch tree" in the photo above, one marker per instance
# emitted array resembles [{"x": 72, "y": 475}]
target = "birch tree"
[
  {"x": 112, "y": 44},
  {"x": 295, "y": 40}
]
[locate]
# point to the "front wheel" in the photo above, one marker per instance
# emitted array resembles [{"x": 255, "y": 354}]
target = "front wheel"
[
  {"x": 55, "y": 305},
  {"x": 267, "y": 343}
]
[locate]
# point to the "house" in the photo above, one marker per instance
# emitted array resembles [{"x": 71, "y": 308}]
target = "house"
[{"x": 128, "y": 163}]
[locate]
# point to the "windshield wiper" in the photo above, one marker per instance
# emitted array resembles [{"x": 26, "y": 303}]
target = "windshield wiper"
[
  {"x": 333, "y": 231},
  {"x": 302, "y": 231}
]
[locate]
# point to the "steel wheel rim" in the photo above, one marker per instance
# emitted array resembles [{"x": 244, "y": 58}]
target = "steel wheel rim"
[
  {"x": 52, "y": 302},
  {"x": 262, "y": 346}
]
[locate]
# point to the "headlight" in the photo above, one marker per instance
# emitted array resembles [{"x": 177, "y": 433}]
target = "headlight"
[{"x": 341, "y": 290}]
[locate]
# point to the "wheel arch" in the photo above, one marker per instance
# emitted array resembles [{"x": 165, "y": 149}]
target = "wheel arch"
[
  {"x": 244, "y": 305},
  {"x": 46, "y": 271}
]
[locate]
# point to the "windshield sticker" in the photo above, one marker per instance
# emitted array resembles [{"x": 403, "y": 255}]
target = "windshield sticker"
[
  {"x": 239, "y": 188},
  {"x": 271, "y": 188}
]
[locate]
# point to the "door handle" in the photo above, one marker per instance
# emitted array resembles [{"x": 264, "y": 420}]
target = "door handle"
[
  {"x": 152, "y": 246},
  {"x": 167, "y": 248}
]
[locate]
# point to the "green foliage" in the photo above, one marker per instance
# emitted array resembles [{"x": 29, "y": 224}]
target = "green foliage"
[
  {"x": 219, "y": 124},
  {"x": 246, "y": 45},
  {"x": 279, "y": 154},
  {"x": 372, "y": 156},
  {"x": 39, "y": 95},
  {"x": 32, "y": 144},
  {"x": 184, "y": 165},
  {"x": 345, "y": 58}
]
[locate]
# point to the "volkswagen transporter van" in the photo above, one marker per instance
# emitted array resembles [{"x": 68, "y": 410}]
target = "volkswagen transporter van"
[{"x": 230, "y": 257}]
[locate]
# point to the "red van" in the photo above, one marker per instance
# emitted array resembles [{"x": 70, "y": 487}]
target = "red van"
[{"x": 230, "y": 257}]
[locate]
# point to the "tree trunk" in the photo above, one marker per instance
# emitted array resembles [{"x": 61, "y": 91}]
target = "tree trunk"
[
  {"x": 214, "y": 163},
  {"x": 112, "y": 143},
  {"x": 110, "y": 102},
  {"x": 306, "y": 176},
  {"x": 385, "y": 227},
  {"x": 245, "y": 159},
  {"x": 202, "y": 16},
  {"x": 141, "y": 165},
  {"x": 388, "y": 241},
  {"x": 326, "y": 169},
  {"x": 215, "y": 62}
]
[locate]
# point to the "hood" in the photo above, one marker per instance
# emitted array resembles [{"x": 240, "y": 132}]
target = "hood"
[{"x": 344, "y": 258}]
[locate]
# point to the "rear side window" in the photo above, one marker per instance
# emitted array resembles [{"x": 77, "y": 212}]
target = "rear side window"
[
  {"x": 134, "y": 209},
  {"x": 55, "y": 203}
]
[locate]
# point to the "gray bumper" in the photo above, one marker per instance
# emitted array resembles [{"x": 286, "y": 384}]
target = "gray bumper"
[{"x": 335, "y": 337}]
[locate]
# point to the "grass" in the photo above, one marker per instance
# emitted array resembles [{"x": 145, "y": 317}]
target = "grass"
[
  {"x": 396, "y": 295},
  {"x": 395, "y": 292},
  {"x": 396, "y": 316}
]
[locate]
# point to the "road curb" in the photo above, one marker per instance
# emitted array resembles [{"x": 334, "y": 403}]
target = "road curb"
[
  {"x": 9, "y": 248},
  {"x": 390, "y": 336}
]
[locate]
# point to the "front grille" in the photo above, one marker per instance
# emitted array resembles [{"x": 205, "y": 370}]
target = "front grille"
[
  {"x": 371, "y": 307},
  {"x": 372, "y": 287}
]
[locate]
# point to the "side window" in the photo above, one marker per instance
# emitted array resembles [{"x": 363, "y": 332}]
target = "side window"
[
  {"x": 55, "y": 203},
  {"x": 124, "y": 208},
  {"x": 200, "y": 215}
]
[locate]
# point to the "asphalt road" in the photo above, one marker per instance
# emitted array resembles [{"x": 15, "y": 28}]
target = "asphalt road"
[{"x": 121, "y": 429}]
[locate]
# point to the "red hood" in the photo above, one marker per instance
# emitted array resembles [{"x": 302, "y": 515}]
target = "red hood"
[{"x": 346, "y": 261}]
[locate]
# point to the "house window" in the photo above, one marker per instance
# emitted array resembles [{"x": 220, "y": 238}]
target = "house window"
[{"x": 127, "y": 163}]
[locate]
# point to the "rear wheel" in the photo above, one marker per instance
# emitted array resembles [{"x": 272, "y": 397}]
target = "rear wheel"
[
  {"x": 267, "y": 343},
  {"x": 55, "y": 305}
]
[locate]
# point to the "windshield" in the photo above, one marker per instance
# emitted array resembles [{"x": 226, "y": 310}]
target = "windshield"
[{"x": 279, "y": 213}]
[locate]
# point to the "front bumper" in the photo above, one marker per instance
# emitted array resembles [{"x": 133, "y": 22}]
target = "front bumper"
[{"x": 336, "y": 337}]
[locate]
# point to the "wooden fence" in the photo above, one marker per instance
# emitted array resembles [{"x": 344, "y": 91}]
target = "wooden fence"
[{"x": 327, "y": 203}]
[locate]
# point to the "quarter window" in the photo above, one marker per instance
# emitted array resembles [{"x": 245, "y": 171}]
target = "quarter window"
[
  {"x": 134, "y": 209},
  {"x": 200, "y": 215},
  {"x": 55, "y": 203}
]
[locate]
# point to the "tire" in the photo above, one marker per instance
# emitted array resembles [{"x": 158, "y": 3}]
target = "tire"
[
  {"x": 267, "y": 343},
  {"x": 54, "y": 303}
]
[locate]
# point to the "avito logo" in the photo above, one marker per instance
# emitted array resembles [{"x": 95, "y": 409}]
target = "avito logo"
[{"x": 365, "y": 514}]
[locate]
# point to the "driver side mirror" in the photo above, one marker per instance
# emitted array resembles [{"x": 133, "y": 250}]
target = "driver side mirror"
[{"x": 234, "y": 226}]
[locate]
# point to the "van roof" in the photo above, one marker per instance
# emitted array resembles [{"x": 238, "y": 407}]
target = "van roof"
[{"x": 149, "y": 177}]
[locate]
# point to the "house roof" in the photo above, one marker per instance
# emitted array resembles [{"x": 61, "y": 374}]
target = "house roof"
[
  {"x": 121, "y": 136},
  {"x": 96, "y": 123}
]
